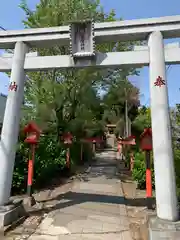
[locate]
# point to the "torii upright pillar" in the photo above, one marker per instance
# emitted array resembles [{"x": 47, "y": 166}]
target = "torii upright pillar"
[
  {"x": 10, "y": 129},
  {"x": 166, "y": 198}
]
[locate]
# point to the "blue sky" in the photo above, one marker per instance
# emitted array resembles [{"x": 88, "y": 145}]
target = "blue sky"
[{"x": 11, "y": 18}]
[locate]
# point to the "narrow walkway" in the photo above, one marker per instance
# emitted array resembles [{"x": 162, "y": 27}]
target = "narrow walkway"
[{"x": 93, "y": 209}]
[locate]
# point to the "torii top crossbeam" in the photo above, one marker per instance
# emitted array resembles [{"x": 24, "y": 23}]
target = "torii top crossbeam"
[{"x": 104, "y": 32}]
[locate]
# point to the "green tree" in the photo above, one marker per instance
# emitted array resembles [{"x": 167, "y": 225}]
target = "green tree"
[
  {"x": 120, "y": 93},
  {"x": 66, "y": 100},
  {"x": 61, "y": 100},
  {"x": 143, "y": 119}
]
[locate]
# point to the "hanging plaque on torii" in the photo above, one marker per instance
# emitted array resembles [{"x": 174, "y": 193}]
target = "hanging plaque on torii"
[{"x": 82, "y": 40}]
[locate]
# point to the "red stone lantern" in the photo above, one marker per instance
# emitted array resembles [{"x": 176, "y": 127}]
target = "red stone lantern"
[
  {"x": 146, "y": 140},
  {"x": 33, "y": 133},
  {"x": 146, "y": 145}
]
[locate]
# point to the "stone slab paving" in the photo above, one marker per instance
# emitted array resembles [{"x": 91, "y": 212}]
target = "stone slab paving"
[{"x": 93, "y": 208}]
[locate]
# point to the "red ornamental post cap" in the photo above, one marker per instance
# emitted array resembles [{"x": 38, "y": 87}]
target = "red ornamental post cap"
[
  {"x": 32, "y": 139},
  {"x": 32, "y": 127},
  {"x": 146, "y": 139},
  {"x": 33, "y": 133},
  {"x": 146, "y": 132}
]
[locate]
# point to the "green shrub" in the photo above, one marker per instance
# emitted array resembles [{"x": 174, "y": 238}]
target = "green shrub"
[
  {"x": 139, "y": 170},
  {"x": 76, "y": 152},
  {"x": 50, "y": 161},
  {"x": 177, "y": 169},
  {"x": 20, "y": 169}
]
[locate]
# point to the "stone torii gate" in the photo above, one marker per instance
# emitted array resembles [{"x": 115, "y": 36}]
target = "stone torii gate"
[{"x": 82, "y": 39}]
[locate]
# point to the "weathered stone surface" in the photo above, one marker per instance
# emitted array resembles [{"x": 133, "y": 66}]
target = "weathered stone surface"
[
  {"x": 165, "y": 230},
  {"x": 10, "y": 215},
  {"x": 93, "y": 208},
  {"x": 29, "y": 201}
]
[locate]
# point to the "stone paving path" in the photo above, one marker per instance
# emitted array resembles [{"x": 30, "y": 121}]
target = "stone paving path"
[{"x": 94, "y": 208}]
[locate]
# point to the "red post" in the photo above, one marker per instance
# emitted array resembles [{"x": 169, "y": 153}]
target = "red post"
[
  {"x": 131, "y": 161},
  {"x": 119, "y": 148},
  {"x": 30, "y": 170},
  {"x": 148, "y": 179},
  {"x": 30, "y": 173}
]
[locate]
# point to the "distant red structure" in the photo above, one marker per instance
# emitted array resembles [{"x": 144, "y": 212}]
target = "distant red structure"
[
  {"x": 68, "y": 137},
  {"x": 127, "y": 141}
]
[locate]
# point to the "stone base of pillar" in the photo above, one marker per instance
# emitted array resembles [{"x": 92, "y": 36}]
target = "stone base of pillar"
[
  {"x": 160, "y": 229},
  {"x": 10, "y": 213},
  {"x": 29, "y": 202}
]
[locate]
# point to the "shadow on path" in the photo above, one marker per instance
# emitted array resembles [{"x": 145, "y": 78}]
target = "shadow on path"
[
  {"x": 75, "y": 198},
  {"x": 104, "y": 167}
]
